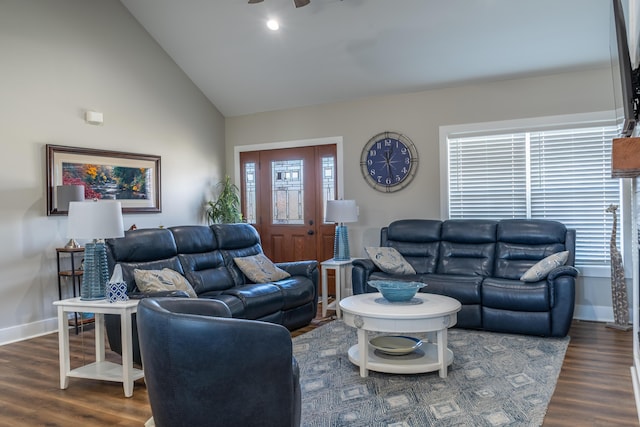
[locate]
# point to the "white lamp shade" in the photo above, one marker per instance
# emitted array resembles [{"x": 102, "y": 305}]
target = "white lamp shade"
[
  {"x": 68, "y": 193},
  {"x": 95, "y": 220},
  {"x": 341, "y": 211}
]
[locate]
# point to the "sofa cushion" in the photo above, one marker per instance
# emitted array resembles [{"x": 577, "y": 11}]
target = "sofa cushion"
[
  {"x": 417, "y": 240},
  {"x": 162, "y": 280},
  {"x": 515, "y": 295},
  {"x": 206, "y": 271},
  {"x": 258, "y": 300},
  {"x": 464, "y": 288},
  {"x": 259, "y": 269},
  {"x": 542, "y": 268},
  {"x": 296, "y": 291},
  {"x": 467, "y": 247},
  {"x": 522, "y": 243},
  {"x": 389, "y": 260},
  {"x": 145, "y": 249}
]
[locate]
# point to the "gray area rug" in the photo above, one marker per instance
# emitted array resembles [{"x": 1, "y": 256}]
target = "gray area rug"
[{"x": 494, "y": 380}]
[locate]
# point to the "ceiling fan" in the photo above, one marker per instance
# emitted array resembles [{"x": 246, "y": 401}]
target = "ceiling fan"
[{"x": 297, "y": 3}]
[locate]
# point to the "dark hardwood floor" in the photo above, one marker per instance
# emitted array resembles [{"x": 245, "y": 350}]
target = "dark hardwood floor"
[{"x": 594, "y": 388}]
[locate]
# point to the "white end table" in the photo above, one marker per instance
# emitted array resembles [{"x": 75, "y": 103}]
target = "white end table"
[
  {"x": 340, "y": 268},
  {"x": 433, "y": 315},
  {"x": 100, "y": 369}
]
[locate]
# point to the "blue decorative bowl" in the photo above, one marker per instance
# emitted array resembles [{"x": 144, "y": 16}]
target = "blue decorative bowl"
[{"x": 397, "y": 291}]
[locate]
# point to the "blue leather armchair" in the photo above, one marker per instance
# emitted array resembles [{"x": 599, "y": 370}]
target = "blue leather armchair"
[{"x": 204, "y": 368}]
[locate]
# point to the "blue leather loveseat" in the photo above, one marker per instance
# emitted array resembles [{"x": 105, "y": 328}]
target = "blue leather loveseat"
[
  {"x": 204, "y": 255},
  {"x": 479, "y": 263}
]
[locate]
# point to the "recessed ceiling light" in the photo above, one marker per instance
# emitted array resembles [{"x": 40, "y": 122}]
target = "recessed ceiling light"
[{"x": 273, "y": 25}]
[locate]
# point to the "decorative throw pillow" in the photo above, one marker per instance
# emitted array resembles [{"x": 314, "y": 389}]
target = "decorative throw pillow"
[
  {"x": 162, "y": 280},
  {"x": 389, "y": 260},
  {"x": 543, "y": 267},
  {"x": 260, "y": 269}
]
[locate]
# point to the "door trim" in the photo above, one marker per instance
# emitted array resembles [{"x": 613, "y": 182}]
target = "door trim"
[{"x": 337, "y": 140}]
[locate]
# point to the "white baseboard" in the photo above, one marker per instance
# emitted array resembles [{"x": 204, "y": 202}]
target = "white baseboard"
[
  {"x": 28, "y": 330},
  {"x": 595, "y": 313}
]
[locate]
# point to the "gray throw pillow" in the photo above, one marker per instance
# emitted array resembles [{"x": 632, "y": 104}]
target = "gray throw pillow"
[
  {"x": 260, "y": 269},
  {"x": 542, "y": 268},
  {"x": 162, "y": 280},
  {"x": 389, "y": 260}
]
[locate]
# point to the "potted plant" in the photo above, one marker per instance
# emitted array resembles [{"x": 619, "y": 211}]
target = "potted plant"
[{"x": 226, "y": 208}]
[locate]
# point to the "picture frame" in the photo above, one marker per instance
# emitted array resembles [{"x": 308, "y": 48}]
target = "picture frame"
[{"x": 132, "y": 179}]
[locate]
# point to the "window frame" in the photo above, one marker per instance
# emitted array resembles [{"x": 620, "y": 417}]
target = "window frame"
[{"x": 606, "y": 118}]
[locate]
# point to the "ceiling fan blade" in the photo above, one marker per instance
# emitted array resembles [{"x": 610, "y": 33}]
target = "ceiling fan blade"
[
  {"x": 255, "y": 1},
  {"x": 300, "y": 3}
]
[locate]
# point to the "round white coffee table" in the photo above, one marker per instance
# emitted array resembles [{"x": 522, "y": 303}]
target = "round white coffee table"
[{"x": 428, "y": 313}]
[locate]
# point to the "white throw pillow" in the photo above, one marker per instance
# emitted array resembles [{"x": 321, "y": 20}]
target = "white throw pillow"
[
  {"x": 543, "y": 267},
  {"x": 260, "y": 269},
  {"x": 389, "y": 260},
  {"x": 162, "y": 280}
]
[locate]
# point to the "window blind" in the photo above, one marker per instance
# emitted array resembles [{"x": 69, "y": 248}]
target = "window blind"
[{"x": 563, "y": 175}]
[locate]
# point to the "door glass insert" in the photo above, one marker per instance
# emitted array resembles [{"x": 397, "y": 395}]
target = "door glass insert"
[
  {"x": 328, "y": 181},
  {"x": 250, "y": 192},
  {"x": 287, "y": 192}
]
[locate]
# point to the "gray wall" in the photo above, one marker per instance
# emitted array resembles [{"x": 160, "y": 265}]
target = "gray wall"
[
  {"x": 419, "y": 115},
  {"x": 58, "y": 59}
]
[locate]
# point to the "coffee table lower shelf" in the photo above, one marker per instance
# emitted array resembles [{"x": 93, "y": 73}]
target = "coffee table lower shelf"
[{"x": 424, "y": 359}]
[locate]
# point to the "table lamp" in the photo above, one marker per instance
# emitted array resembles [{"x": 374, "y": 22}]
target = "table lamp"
[
  {"x": 96, "y": 220},
  {"x": 341, "y": 211},
  {"x": 66, "y": 194}
]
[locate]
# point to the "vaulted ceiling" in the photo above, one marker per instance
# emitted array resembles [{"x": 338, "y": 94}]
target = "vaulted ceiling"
[{"x": 337, "y": 50}]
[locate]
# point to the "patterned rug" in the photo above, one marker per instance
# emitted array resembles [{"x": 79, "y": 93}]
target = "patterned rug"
[{"x": 494, "y": 380}]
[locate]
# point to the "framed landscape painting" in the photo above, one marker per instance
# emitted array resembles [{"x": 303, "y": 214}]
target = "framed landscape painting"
[{"x": 132, "y": 179}]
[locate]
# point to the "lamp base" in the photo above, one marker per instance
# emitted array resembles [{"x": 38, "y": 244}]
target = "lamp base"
[
  {"x": 341, "y": 244},
  {"x": 96, "y": 272},
  {"x": 72, "y": 244}
]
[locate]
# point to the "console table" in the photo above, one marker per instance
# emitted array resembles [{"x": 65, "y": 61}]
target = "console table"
[{"x": 100, "y": 369}]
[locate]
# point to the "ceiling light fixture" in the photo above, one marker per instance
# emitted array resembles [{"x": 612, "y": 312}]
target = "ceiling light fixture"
[{"x": 273, "y": 25}]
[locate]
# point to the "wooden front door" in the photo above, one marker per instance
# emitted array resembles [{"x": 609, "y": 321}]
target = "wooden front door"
[{"x": 284, "y": 193}]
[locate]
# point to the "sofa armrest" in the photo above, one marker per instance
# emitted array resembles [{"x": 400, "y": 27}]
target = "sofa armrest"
[
  {"x": 299, "y": 268},
  {"x": 141, "y": 295},
  {"x": 307, "y": 269},
  {"x": 362, "y": 269},
  {"x": 563, "y": 270},
  {"x": 562, "y": 289}
]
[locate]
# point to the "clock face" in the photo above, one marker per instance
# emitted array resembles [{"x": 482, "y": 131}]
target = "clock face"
[{"x": 389, "y": 161}]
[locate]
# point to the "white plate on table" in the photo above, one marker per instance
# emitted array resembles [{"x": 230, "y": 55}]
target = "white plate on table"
[{"x": 396, "y": 345}]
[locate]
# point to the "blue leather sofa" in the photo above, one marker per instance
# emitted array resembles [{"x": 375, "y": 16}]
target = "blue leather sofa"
[
  {"x": 479, "y": 263},
  {"x": 204, "y": 255}
]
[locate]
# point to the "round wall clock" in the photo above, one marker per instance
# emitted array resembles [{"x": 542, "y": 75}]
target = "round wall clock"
[{"x": 389, "y": 161}]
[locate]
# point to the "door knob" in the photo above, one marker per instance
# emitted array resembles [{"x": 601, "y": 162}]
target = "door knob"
[{"x": 311, "y": 232}]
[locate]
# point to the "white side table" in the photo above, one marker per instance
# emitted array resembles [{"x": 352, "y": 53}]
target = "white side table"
[
  {"x": 340, "y": 268},
  {"x": 100, "y": 369}
]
